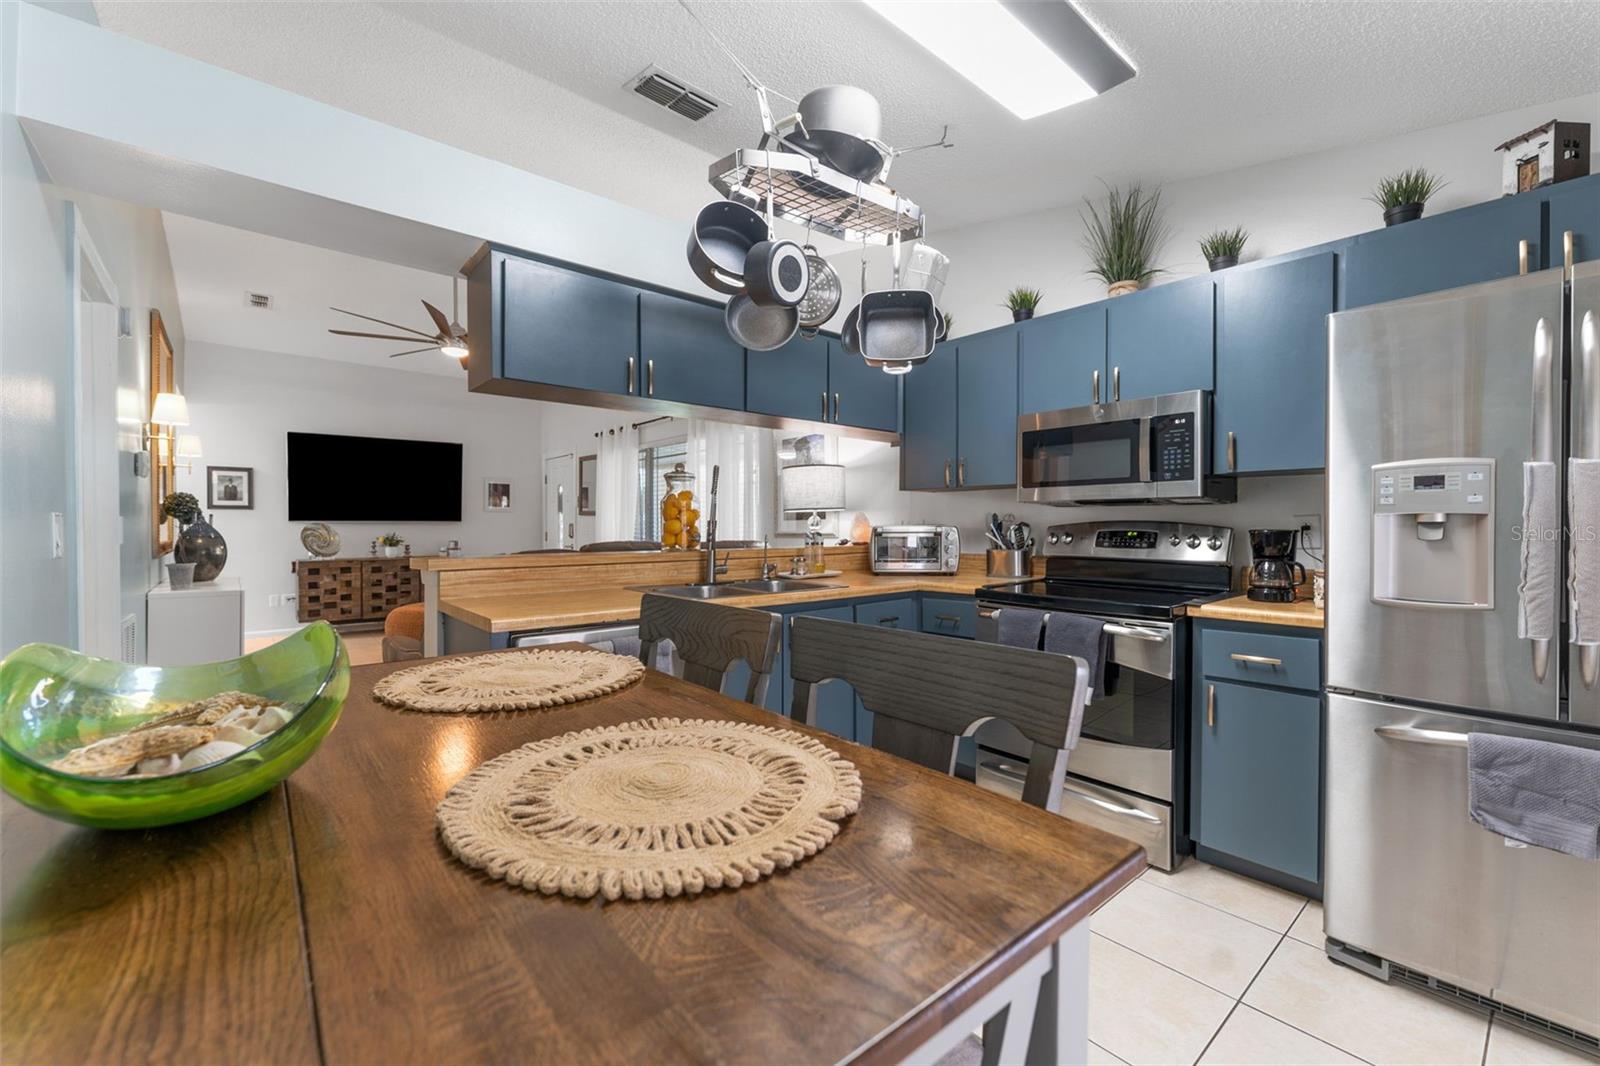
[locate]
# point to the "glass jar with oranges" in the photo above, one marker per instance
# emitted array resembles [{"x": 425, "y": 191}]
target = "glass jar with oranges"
[{"x": 680, "y": 519}]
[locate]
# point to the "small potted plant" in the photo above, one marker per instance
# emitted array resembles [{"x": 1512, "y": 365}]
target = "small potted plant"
[
  {"x": 1023, "y": 303},
  {"x": 1124, "y": 238},
  {"x": 1402, "y": 195},
  {"x": 389, "y": 545},
  {"x": 1222, "y": 247},
  {"x": 184, "y": 509}
]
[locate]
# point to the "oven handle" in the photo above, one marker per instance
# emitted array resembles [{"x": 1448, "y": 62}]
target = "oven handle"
[
  {"x": 1086, "y": 793},
  {"x": 1439, "y": 738},
  {"x": 1155, "y": 636}
]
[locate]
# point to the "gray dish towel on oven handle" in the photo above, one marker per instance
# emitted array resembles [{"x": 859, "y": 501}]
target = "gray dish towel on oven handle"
[
  {"x": 1085, "y": 637},
  {"x": 1536, "y": 792},
  {"x": 1583, "y": 512},
  {"x": 1019, "y": 627},
  {"x": 1541, "y": 547}
]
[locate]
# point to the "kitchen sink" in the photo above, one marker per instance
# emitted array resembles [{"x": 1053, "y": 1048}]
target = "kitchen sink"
[
  {"x": 700, "y": 592},
  {"x": 781, "y": 584}
]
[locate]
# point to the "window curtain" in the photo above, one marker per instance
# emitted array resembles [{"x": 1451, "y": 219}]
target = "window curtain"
[
  {"x": 616, "y": 476},
  {"x": 744, "y": 496}
]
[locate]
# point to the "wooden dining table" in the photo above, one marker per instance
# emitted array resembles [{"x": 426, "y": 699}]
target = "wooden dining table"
[{"x": 325, "y": 922}]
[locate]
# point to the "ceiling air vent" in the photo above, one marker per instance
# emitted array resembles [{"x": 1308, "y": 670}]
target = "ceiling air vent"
[
  {"x": 671, "y": 93},
  {"x": 259, "y": 300}
]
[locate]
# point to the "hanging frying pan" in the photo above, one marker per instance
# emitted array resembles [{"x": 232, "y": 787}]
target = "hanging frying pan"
[{"x": 758, "y": 328}]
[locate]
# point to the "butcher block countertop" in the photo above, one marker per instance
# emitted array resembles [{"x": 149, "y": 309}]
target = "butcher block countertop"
[
  {"x": 518, "y": 611},
  {"x": 1243, "y": 609}
]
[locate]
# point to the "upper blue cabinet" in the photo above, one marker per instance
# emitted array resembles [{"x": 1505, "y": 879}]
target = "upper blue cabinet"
[
  {"x": 1574, "y": 208},
  {"x": 1159, "y": 340},
  {"x": 1272, "y": 358},
  {"x": 986, "y": 409},
  {"x": 861, "y": 395},
  {"x": 686, "y": 353},
  {"x": 791, "y": 381},
  {"x": 1061, "y": 360},
  {"x": 928, "y": 438},
  {"x": 1443, "y": 251},
  {"x": 560, "y": 327}
]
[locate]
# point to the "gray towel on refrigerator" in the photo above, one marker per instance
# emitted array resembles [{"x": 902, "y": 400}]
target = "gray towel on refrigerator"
[
  {"x": 1535, "y": 791},
  {"x": 1018, "y": 627},
  {"x": 1583, "y": 512},
  {"x": 1076, "y": 634},
  {"x": 1541, "y": 552}
]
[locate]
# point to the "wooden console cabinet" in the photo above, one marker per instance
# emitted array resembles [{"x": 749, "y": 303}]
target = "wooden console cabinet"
[{"x": 360, "y": 589}]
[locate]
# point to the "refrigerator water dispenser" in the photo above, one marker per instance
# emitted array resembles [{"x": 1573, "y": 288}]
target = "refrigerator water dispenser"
[{"x": 1433, "y": 533}]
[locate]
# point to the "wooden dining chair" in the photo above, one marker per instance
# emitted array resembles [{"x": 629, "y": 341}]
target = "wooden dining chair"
[
  {"x": 709, "y": 638},
  {"x": 925, "y": 692}
]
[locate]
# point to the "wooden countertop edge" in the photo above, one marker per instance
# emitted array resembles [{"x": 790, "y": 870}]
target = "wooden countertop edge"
[
  {"x": 1301, "y": 614},
  {"x": 944, "y": 1006},
  {"x": 543, "y": 560}
]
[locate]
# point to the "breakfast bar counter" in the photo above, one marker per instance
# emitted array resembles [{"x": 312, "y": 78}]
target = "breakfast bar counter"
[{"x": 326, "y": 922}]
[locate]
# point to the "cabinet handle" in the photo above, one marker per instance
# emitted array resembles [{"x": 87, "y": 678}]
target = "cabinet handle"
[
  {"x": 650, "y": 377},
  {"x": 1260, "y": 660},
  {"x": 1116, "y": 384},
  {"x": 1566, "y": 250},
  {"x": 942, "y": 618},
  {"x": 1097, "y": 386},
  {"x": 1211, "y": 706},
  {"x": 947, "y": 473},
  {"x": 630, "y": 375},
  {"x": 1522, "y": 257},
  {"x": 824, "y": 406},
  {"x": 889, "y": 620},
  {"x": 961, "y": 473},
  {"x": 1233, "y": 453},
  {"x": 836, "y": 407}
]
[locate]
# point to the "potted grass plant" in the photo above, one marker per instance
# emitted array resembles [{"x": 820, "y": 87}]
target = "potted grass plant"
[
  {"x": 1023, "y": 303},
  {"x": 1222, "y": 247},
  {"x": 1123, "y": 237},
  {"x": 1402, "y": 195}
]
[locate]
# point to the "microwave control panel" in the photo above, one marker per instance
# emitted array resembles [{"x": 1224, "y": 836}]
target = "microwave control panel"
[{"x": 1172, "y": 447}]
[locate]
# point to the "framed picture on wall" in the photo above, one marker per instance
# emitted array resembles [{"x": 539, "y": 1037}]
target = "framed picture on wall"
[
  {"x": 586, "y": 469},
  {"x": 230, "y": 488},
  {"x": 497, "y": 495}
]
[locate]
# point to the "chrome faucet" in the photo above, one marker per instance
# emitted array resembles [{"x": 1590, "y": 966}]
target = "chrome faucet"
[
  {"x": 768, "y": 570},
  {"x": 712, "y": 568}
]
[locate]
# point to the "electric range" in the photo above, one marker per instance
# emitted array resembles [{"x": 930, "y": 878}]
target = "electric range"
[{"x": 1129, "y": 772}]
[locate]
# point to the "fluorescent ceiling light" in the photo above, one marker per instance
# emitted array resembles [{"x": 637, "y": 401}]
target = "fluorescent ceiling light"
[{"x": 1017, "y": 52}]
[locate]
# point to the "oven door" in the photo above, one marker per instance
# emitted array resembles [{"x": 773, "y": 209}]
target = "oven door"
[
  {"x": 905, "y": 549},
  {"x": 1073, "y": 455}
]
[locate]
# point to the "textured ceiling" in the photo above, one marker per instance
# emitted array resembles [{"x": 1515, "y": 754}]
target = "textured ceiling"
[
  {"x": 1222, "y": 84},
  {"x": 214, "y": 266}
]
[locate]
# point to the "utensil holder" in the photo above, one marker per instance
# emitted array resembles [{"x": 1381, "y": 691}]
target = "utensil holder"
[{"x": 1006, "y": 562}]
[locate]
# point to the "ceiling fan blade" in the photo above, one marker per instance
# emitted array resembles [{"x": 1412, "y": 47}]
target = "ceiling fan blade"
[
  {"x": 438, "y": 319},
  {"x": 374, "y": 336},
  {"x": 414, "y": 351},
  {"x": 381, "y": 322}
]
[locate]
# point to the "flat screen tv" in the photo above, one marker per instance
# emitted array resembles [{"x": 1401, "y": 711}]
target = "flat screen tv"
[{"x": 335, "y": 478}]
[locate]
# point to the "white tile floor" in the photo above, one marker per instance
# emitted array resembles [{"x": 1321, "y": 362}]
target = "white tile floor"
[{"x": 1204, "y": 966}]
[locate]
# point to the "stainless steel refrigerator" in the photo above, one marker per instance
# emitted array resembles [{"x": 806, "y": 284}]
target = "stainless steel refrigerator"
[{"x": 1455, "y": 424}]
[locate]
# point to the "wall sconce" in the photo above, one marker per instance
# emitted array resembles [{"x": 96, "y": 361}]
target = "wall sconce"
[
  {"x": 188, "y": 450},
  {"x": 169, "y": 410}
]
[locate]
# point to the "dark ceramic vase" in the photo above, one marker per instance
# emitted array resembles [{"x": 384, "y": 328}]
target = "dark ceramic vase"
[
  {"x": 1223, "y": 262},
  {"x": 202, "y": 545},
  {"x": 1021, "y": 315},
  {"x": 1402, "y": 213}
]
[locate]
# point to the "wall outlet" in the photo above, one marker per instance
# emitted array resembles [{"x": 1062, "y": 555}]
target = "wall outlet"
[
  {"x": 1310, "y": 526},
  {"x": 274, "y": 600}
]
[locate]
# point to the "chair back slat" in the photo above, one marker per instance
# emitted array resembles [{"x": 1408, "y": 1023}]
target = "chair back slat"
[{"x": 709, "y": 638}]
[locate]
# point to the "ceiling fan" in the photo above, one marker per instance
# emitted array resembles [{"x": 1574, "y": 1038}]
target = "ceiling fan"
[{"x": 451, "y": 339}]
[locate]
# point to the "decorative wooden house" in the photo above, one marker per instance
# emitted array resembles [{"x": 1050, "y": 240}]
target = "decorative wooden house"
[{"x": 1553, "y": 152}]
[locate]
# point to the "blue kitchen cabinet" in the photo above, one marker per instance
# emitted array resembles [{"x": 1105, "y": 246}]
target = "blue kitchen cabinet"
[
  {"x": 1573, "y": 206},
  {"x": 562, "y": 327},
  {"x": 861, "y": 395},
  {"x": 790, "y": 381},
  {"x": 949, "y": 616},
  {"x": 836, "y": 700},
  {"x": 1272, "y": 359},
  {"x": 890, "y": 614},
  {"x": 1060, "y": 358},
  {"x": 986, "y": 409},
  {"x": 1438, "y": 252},
  {"x": 1159, "y": 340},
  {"x": 687, "y": 354},
  {"x": 928, "y": 438}
]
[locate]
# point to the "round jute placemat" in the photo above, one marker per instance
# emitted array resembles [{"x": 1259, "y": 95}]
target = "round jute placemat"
[
  {"x": 508, "y": 680},
  {"x": 651, "y": 808}
]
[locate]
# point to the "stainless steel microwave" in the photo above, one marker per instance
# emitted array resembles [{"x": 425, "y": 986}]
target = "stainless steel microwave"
[
  {"x": 1151, "y": 450},
  {"x": 915, "y": 549}
]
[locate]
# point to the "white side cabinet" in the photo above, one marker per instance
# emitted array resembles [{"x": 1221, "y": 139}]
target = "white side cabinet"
[{"x": 203, "y": 624}]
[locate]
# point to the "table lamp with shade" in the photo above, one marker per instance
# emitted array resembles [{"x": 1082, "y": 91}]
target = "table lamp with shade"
[{"x": 811, "y": 490}]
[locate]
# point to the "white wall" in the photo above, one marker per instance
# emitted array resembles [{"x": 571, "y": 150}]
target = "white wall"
[{"x": 242, "y": 403}]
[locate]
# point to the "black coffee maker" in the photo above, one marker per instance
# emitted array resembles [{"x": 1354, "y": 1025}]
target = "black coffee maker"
[{"x": 1274, "y": 575}]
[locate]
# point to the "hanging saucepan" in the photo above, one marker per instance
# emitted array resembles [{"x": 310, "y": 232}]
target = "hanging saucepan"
[
  {"x": 776, "y": 271},
  {"x": 898, "y": 326},
  {"x": 843, "y": 126},
  {"x": 758, "y": 328},
  {"x": 723, "y": 234},
  {"x": 821, "y": 300}
]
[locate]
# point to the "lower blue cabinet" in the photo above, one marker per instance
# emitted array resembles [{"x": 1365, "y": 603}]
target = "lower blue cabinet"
[
  {"x": 836, "y": 701},
  {"x": 949, "y": 616},
  {"x": 890, "y": 614}
]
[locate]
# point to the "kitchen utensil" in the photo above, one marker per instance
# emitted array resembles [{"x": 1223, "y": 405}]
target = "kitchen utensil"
[
  {"x": 841, "y": 126},
  {"x": 720, "y": 242},
  {"x": 758, "y": 328},
  {"x": 927, "y": 269},
  {"x": 776, "y": 271},
  {"x": 897, "y": 326},
  {"x": 1024, "y": 536},
  {"x": 53, "y": 699},
  {"x": 823, "y": 293}
]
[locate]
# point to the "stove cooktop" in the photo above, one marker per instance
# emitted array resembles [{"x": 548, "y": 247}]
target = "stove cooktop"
[{"x": 1123, "y": 601}]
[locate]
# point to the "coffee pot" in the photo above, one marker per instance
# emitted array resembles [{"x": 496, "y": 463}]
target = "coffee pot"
[{"x": 1274, "y": 575}]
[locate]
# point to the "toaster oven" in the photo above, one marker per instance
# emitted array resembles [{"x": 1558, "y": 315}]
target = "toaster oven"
[{"x": 915, "y": 549}]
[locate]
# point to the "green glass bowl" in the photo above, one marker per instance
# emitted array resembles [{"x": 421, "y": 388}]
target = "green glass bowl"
[{"x": 53, "y": 699}]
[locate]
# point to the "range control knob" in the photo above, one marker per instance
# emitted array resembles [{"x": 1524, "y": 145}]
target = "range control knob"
[
  {"x": 1175, "y": 540},
  {"x": 1194, "y": 540},
  {"x": 1214, "y": 543},
  {"x": 1055, "y": 538},
  {"x": 1066, "y": 538}
]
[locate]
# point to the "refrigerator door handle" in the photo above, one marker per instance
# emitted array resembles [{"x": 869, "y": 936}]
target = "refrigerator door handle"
[
  {"x": 1538, "y": 629},
  {"x": 1586, "y": 449}
]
